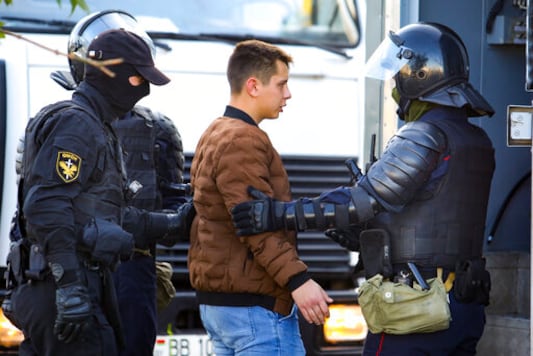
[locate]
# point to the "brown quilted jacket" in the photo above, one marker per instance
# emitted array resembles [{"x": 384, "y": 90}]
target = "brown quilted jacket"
[{"x": 225, "y": 269}]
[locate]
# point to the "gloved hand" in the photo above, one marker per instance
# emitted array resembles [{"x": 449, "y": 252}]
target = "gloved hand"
[
  {"x": 73, "y": 311},
  {"x": 257, "y": 216},
  {"x": 179, "y": 225},
  {"x": 347, "y": 237},
  {"x": 166, "y": 227},
  {"x": 136, "y": 222}
]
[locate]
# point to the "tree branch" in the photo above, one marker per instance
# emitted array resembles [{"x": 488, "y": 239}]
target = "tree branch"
[{"x": 98, "y": 64}]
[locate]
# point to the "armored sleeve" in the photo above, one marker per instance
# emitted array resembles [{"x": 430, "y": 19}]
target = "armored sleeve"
[
  {"x": 392, "y": 182},
  {"x": 406, "y": 165}
]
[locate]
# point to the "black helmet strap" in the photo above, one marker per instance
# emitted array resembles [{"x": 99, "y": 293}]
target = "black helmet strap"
[{"x": 403, "y": 107}]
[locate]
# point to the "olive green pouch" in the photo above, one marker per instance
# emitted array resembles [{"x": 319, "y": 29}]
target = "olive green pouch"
[
  {"x": 396, "y": 308},
  {"x": 165, "y": 289}
]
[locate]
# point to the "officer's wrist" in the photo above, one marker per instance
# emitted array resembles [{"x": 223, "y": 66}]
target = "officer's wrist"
[
  {"x": 64, "y": 268},
  {"x": 64, "y": 277}
]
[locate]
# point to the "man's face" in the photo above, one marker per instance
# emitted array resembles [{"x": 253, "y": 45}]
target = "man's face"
[{"x": 274, "y": 94}]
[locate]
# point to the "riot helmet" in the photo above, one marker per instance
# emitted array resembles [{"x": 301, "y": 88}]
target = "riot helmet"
[
  {"x": 429, "y": 62},
  {"x": 94, "y": 24}
]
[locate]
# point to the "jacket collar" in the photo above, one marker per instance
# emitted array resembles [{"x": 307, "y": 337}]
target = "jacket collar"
[{"x": 235, "y": 113}]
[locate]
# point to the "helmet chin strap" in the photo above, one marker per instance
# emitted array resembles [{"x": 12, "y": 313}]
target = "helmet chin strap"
[
  {"x": 403, "y": 107},
  {"x": 404, "y": 104}
]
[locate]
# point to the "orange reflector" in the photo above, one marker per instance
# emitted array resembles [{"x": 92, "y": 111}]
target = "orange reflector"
[{"x": 346, "y": 323}]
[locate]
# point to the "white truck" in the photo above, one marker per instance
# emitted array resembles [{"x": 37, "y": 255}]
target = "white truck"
[
  {"x": 332, "y": 116},
  {"x": 321, "y": 127}
]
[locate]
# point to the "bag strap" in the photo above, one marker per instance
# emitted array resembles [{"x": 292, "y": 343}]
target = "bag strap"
[{"x": 448, "y": 284}]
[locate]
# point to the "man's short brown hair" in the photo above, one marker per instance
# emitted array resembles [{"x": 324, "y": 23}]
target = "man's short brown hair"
[{"x": 254, "y": 58}]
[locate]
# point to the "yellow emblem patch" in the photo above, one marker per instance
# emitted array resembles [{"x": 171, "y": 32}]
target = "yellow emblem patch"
[{"x": 68, "y": 166}]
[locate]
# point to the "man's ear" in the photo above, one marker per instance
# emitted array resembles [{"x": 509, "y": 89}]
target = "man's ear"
[{"x": 252, "y": 85}]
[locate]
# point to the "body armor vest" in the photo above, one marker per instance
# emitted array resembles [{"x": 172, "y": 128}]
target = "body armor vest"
[
  {"x": 137, "y": 135},
  {"x": 103, "y": 196},
  {"x": 446, "y": 220}
]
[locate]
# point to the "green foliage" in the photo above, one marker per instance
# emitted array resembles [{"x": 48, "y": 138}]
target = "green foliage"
[
  {"x": 73, "y": 3},
  {"x": 81, "y": 3}
]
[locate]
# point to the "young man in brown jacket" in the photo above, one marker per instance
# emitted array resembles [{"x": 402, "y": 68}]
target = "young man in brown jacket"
[{"x": 249, "y": 288}]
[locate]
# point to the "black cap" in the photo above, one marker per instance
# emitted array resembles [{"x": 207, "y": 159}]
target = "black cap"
[{"x": 131, "y": 48}]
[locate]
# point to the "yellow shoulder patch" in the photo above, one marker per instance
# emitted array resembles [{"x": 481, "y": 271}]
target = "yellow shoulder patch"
[{"x": 68, "y": 166}]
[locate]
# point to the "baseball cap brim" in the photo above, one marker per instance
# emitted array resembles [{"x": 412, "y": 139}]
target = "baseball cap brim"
[{"x": 152, "y": 74}]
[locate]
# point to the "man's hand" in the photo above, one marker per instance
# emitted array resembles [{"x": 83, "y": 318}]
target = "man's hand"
[
  {"x": 347, "y": 237},
  {"x": 312, "y": 301},
  {"x": 73, "y": 311},
  {"x": 257, "y": 216}
]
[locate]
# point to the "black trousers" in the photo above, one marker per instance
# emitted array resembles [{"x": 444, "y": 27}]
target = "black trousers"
[
  {"x": 135, "y": 283},
  {"x": 35, "y": 311}
]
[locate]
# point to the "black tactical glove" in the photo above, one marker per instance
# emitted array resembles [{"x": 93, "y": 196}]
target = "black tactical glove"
[
  {"x": 179, "y": 225},
  {"x": 347, "y": 237},
  {"x": 73, "y": 303},
  {"x": 257, "y": 216},
  {"x": 73, "y": 311},
  {"x": 136, "y": 221},
  {"x": 167, "y": 227}
]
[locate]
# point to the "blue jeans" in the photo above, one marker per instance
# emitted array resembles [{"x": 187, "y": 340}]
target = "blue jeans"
[{"x": 252, "y": 331}]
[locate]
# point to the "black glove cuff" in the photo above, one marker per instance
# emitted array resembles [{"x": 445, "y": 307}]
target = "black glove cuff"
[{"x": 158, "y": 224}]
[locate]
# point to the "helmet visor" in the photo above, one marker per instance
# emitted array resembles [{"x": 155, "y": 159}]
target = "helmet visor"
[
  {"x": 90, "y": 27},
  {"x": 387, "y": 59}
]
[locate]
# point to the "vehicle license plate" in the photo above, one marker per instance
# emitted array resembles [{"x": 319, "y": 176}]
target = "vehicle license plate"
[{"x": 183, "y": 345}]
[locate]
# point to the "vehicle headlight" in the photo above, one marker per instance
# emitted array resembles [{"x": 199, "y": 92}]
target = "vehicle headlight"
[
  {"x": 9, "y": 335},
  {"x": 346, "y": 323}
]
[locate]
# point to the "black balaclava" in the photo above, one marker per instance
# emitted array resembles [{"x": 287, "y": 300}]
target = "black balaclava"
[{"x": 121, "y": 95}]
